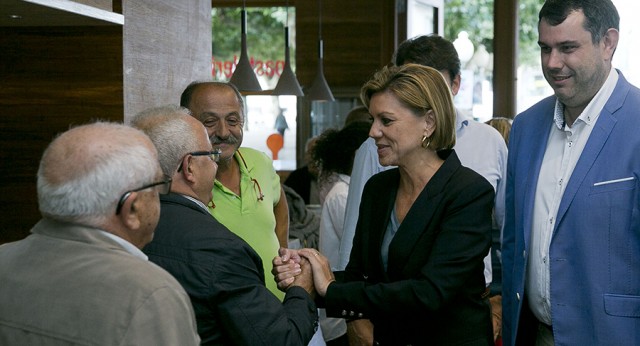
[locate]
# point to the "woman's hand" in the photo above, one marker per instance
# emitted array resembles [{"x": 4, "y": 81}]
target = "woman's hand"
[{"x": 322, "y": 274}]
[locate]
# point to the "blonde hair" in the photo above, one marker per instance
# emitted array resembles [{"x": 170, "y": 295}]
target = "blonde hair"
[
  {"x": 503, "y": 125},
  {"x": 420, "y": 89}
]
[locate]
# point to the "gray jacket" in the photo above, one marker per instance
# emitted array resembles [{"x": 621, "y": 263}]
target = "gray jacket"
[{"x": 68, "y": 284}]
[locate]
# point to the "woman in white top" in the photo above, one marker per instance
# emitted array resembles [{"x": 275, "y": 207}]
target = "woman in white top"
[{"x": 334, "y": 152}]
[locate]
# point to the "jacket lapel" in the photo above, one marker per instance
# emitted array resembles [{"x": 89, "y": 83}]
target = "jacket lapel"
[
  {"x": 598, "y": 138},
  {"x": 380, "y": 219},
  {"x": 538, "y": 135},
  {"x": 417, "y": 220}
]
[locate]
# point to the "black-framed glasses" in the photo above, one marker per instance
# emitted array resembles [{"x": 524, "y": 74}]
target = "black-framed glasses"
[
  {"x": 164, "y": 187},
  {"x": 213, "y": 154}
]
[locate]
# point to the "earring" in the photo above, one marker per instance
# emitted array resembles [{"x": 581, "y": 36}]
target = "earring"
[{"x": 425, "y": 138}]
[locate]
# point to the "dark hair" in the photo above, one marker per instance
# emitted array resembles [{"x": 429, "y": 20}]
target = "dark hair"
[
  {"x": 429, "y": 50},
  {"x": 187, "y": 94},
  {"x": 335, "y": 149},
  {"x": 601, "y": 15},
  {"x": 358, "y": 114}
]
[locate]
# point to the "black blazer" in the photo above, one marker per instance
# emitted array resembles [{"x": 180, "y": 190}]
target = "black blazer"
[
  {"x": 431, "y": 292},
  {"x": 224, "y": 278}
]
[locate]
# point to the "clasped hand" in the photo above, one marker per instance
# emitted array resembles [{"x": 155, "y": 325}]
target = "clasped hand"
[{"x": 291, "y": 264}]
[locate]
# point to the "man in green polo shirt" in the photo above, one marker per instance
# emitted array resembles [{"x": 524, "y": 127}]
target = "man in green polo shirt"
[{"x": 247, "y": 196}]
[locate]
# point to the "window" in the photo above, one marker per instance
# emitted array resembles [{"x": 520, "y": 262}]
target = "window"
[
  {"x": 532, "y": 86},
  {"x": 469, "y": 25},
  {"x": 265, "y": 46},
  {"x": 424, "y": 17}
]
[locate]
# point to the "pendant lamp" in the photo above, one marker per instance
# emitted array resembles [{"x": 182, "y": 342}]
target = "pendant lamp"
[
  {"x": 288, "y": 83},
  {"x": 319, "y": 90},
  {"x": 243, "y": 77}
]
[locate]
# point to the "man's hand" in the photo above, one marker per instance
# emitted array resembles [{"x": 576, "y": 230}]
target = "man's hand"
[
  {"x": 360, "y": 333},
  {"x": 285, "y": 267},
  {"x": 496, "y": 315}
]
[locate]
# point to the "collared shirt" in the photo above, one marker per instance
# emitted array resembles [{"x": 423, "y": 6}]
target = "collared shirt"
[
  {"x": 564, "y": 148},
  {"x": 196, "y": 201},
  {"x": 478, "y": 146},
  {"x": 250, "y": 215},
  {"x": 130, "y": 248}
]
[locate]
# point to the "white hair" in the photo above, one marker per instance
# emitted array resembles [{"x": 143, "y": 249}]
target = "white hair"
[
  {"x": 91, "y": 197},
  {"x": 172, "y": 135}
]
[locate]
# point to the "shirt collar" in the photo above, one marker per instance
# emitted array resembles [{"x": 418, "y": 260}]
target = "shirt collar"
[
  {"x": 196, "y": 201},
  {"x": 128, "y": 247},
  {"x": 591, "y": 113},
  {"x": 461, "y": 120}
]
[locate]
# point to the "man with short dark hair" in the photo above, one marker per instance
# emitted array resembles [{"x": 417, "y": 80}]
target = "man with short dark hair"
[{"x": 571, "y": 246}]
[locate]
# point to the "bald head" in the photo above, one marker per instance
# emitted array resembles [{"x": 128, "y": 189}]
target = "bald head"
[
  {"x": 84, "y": 171},
  {"x": 80, "y": 150}
]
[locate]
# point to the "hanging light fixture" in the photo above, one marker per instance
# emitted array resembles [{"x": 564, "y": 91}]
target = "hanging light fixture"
[
  {"x": 319, "y": 90},
  {"x": 288, "y": 83},
  {"x": 243, "y": 77}
]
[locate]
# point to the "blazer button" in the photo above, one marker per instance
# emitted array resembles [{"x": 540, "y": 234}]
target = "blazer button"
[
  {"x": 344, "y": 313},
  {"x": 351, "y": 314},
  {"x": 360, "y": 315},
  {"x": 518, "y": 295}
]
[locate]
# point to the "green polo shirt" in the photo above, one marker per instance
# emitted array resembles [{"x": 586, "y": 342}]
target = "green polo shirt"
[{"x": 248, "y": 215}]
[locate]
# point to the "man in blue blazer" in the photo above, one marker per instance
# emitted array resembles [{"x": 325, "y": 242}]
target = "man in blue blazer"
[{"x": 571, "y": 241}]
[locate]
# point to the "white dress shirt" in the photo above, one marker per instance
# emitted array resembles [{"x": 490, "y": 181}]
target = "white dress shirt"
[{"x": 564, "y": 148}]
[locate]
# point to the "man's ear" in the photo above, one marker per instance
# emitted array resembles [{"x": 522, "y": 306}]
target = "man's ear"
[
  {"x": 610, "y": 41},
  {"x": 455, "y": 85},
  {"x": 187, "y": 169},
  {"x": 129, "y": 212}
]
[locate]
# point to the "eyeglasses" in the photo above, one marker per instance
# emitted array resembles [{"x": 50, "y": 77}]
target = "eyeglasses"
[
  {"x": 163, "y": 189},
  {"x": 214, "y": 155},
  {"x": 256, "y": 184}
]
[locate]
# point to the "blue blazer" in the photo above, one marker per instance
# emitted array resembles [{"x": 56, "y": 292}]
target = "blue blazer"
[{"x": 595, "y": 247}]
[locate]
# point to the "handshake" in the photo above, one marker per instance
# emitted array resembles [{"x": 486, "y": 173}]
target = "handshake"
[{"x": 306, "y": 268}]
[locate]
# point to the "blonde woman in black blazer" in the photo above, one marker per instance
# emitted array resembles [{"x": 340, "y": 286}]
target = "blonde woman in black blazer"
[{"x": 416, "y": 268}]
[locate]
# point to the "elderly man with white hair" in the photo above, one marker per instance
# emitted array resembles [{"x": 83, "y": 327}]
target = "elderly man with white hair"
[{"x": 80, "y": 277}]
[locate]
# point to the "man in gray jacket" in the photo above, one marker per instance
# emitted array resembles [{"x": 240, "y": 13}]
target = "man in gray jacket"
[{"x": 80, "y": 277}]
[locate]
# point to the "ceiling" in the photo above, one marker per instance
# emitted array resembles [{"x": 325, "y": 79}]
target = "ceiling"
[{"x": 54, "y": 13}]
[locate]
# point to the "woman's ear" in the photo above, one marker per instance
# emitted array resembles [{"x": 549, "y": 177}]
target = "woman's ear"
[{"x": 430, "y": 122}]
